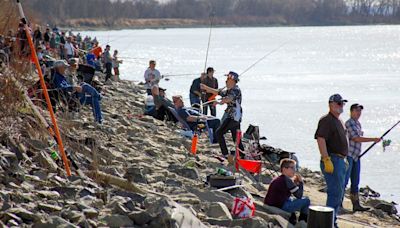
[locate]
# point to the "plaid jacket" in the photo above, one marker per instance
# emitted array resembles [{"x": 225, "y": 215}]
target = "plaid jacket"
[{"x": 354, "y": 130}]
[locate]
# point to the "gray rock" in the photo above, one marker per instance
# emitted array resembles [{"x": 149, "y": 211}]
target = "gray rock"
[
  {"x": 91, "y": 201},
  {"x": 49, "y": 194},
  {"x": 90, "y": 213},
  {"x": 271, "y": 210},
  {"x": 274, "y": 219},
  {"x": 187, "y": 172},
  {"x": 218, "y": 210},
  {"x": 172, "y": 214},
  {"x": 48, "y": 207},
  {"x": 141, "y": 217},
  {"x": 54, "y": 221},
  {"x": 24, "y": 214},
  {"x": 254, "y": 222},
  {"x": 71, "y": 215},
  {"x": 136, "y": 197},
  {"x": 86, "y": 192},
  {"x": 387, "y": 207},
  {"x": 301, "y": 224},
  {"x": 173, "y": 182},
  {"x": 211, "y": 196},
  {"x": 135, "y": 175},
  {"x": 119, "y": 208},
  {"x": 46, "y": 161},
  {"x": 67, "y": 192},
  {"x": 117, "y": 221},
  {"x": 5, "y": 217}
]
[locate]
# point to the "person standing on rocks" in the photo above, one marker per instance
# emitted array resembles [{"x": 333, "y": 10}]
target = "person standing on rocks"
[
  {"x": 151, "y": 76},
  {"x": 233, "y": 113},
  {"x": 282, "y": 187},
  {"x": 195, "y": 93},
  {"x": 354, "y": 129},
  {"x": 107, "y": 59},
  {"x": 211, "y": 82},
  {"x": 333, "y": 146}
]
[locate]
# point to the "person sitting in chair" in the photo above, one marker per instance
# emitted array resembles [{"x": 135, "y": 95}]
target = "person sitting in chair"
[
  {"x": 281, "y": 188},
  {"x": 161, "y": 104},
  {"x": 85, "y": 92},
  {"x": 193, "y": 117}
]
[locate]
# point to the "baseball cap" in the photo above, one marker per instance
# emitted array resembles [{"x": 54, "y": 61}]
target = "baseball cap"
[
  {"x": 161, "y": 89},
  {"x": 60, "y": 63},
  {"x": 233, "y": 75},
  {"x": 356, "y": 106},
  {"x": 210, "y": 69},
  {"x": 336, "y": 98}
]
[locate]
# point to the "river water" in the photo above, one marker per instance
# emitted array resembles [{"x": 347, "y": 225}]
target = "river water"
[{"x": 288, "y": 91}]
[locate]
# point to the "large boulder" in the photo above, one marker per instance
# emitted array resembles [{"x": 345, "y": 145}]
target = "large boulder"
[
  {"x": 117, "y": 221},
  {"x": 218, "y": 210}
]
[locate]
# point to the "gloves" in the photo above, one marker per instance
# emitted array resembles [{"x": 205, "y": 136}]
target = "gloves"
[{"x": 328, "y": 165}]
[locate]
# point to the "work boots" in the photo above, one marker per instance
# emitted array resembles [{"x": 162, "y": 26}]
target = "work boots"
[{"x": 355, "y": 200}]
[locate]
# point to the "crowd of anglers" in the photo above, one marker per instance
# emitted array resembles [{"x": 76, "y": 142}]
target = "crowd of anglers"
[{"x": 339, "y": 143}]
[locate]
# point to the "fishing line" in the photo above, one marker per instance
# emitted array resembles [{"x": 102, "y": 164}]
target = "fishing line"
[
  {"x": 265, "y": 56},
  {"x": 209, "y": 39}
]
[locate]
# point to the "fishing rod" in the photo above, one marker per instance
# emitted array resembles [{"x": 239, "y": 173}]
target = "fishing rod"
[
  {"x": 45, "y": 92},
  {"x": 387, "y": 132},
  {"x": 265, "y": 56},
  {"x": 209, "y": 39}
]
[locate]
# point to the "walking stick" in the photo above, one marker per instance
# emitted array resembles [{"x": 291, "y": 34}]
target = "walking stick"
[{"x": 387, "y": 132}]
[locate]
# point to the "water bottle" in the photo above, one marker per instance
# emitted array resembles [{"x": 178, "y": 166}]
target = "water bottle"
[
  {"x": 54, "y": 155},
  {"x": 194, "y": 143},
  {"x": 224, "y": 172}
]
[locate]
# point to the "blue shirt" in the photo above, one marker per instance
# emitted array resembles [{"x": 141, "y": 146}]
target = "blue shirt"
[
  {"x": 60, "y": 82},
  {"x": 90, "y": 59},
  {"x": 184, "y": 113}
]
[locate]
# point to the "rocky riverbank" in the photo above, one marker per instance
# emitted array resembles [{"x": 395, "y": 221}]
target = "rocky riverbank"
[{"x": 137, "y": 172}]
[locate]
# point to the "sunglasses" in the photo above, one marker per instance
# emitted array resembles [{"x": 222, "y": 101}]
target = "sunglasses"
[{"x": 341, "y": 103}]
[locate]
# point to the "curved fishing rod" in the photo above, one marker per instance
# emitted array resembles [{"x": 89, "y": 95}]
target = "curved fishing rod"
[
  {"x": 209, "y": 39},
  {"x": 384, "y": 134},
  {"x": 265, "y": 56}
]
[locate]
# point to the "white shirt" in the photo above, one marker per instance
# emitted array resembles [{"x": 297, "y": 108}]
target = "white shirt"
[
  {"x": 69, "y": 47},
  {"x": 153, "y": 76}
]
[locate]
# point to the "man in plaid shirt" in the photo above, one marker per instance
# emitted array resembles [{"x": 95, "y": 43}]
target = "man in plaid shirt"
[{"x": 355, "y": 134}]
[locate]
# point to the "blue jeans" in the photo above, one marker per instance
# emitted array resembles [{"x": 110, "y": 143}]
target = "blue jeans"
[
  {"x": 93, "y": 99},
  {"x": 353, "y": 173},
  {"x": 335, "y": 182},
  {"x": 212, "y": 126},
  {"x": 292, "y": 205},
  {"x": 194, "y": 99}
]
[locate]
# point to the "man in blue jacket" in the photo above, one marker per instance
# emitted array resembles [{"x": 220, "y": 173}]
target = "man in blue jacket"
[{"x": 85, "y": 92}]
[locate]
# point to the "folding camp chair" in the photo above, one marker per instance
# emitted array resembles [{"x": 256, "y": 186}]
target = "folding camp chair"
[
  {"x": 270, "y": 156},
  {"x": 188, "y": 132}
]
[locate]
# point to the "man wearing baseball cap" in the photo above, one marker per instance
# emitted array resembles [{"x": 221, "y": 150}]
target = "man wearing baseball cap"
[
  {"x": 333, "y": 146},
  {"x": 355, "y": 132},
  {"x": 61, "y": 83},
  {"x": 232, "y": 96}
]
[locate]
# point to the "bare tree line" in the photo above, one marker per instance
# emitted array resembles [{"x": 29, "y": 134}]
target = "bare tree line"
[{"x": 236, "y": 12}]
